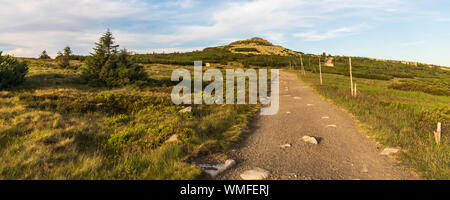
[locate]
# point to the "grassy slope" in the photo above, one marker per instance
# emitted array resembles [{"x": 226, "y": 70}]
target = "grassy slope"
[
  {"x": 395, "y": 118},
  {"x": 51, "y": 127}
]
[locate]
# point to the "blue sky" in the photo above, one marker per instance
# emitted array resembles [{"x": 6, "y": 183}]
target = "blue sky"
[{"x": 413, "y": 30}]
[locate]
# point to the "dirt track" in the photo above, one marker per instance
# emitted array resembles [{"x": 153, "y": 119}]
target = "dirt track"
[{"x": 343, "y": 152}]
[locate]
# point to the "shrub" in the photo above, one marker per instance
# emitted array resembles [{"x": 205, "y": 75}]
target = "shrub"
[
  {"x": 110, "y": 67},
  {"x": 429, "y": 89},
  {"x": 246, "y": 50},
  {"x": 44, "y": 55},
  {"x": 64, "y": 58},
  {"x": 12, "y": 72}
]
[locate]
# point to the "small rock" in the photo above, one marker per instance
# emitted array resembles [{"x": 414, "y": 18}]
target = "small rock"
[
  {"x": 99, "y": 105},
  {"x": 389, "y": 151},
  {"x": 310, "y": 104},
  {"x": 285, "y": 146},
  {"x": 298, "y": 98},
  {"x": 164, "y": 85},
  {"x": 288, "y": 112},
  {"x": 255, "y": 174},
  {"x": 292, "y": 175},
  {"x": 173, "y": 138},
  {"x": 214, "y": 170},
  {"x": 310, "y": 139},
  {"x": 332, "y": 125},
  {"x": 187, "y": 109},
  {"x": 325, "y": 117}
]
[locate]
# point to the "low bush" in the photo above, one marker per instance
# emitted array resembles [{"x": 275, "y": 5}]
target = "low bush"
[
  {"x": 246, "y": 50},
  {"x": 429, "y": 89},
  {"x": 12, "y": 72}
]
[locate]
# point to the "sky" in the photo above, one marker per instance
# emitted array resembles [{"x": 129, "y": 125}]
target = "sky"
[{"x": 410, "y": 30}]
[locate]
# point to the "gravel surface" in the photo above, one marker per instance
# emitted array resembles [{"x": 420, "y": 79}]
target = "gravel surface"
[{"x": 343, "y": 152}]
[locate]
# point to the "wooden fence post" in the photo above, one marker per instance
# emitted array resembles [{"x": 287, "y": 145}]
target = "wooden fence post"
[
  {"x": 320, "y": 71},
  {"x": 351, "y": 76},
  {"x": 301, "y": 63},
  {"x": 437, "y": 134}
]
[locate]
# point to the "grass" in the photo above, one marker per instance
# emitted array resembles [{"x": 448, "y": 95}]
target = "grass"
[
  {"x": 396, "y": 118},
  {"x": 52, "y": 127}
]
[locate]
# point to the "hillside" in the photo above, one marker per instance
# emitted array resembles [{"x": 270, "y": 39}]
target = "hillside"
[
  {"x": 258, "y": 46},
  {"x": 55, "y": 127}
]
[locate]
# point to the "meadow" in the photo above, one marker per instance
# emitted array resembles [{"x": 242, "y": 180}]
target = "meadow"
[
  {"x": 395, "y": 117},
  {"x": 54, "y": 127}
]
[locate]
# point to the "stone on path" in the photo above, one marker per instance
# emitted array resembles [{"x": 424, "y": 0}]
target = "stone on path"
[
  {"x": 332, "y": 126},
  {"x": 285, "y": 146},
  {"x": 298, "y": 98},
  {"x": 389, "y": 151},
  {"x": 288, "y": 112},
  {"x": 325, "y": 117},
  {"x": 187, "y": 109},
  {"x": 310, "y": 104},
  {"x": 310, "y": 139},
  {"x": 255, "y": 174},
  {"x": 214, "y": 170}
]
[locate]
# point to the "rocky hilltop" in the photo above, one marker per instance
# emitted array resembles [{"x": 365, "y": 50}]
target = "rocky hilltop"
[{"x": 258, "y": 46}]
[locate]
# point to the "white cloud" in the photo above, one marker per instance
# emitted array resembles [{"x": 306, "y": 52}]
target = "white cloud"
[
  {"x": 330, "y": 34},
  {"x": 30, "y": 26},
  {"x": 413, "y": 43}
]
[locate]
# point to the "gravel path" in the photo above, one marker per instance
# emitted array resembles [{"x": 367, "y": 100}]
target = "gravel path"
[{"x": 343, "y": 151}]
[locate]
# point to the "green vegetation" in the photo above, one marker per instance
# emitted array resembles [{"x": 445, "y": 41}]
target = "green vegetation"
[
  {"x": 12, "y": 71},
  {"x": 110, "y": 67},
  {"x": 421, "y": 87},
  {"x": 215, "y": 55},
  {"x": 53, "y": 127},
  {"x": 405, "y": 119},
  {"x": 64, "y": 58}
]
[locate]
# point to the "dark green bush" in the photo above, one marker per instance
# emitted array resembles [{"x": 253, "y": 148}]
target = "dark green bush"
[
  {"x": 111, "y": 68},
  {"x": 429, "y": 89},
  {"x": 64, "y": 58},
  {"x": 12, "y": 72},
  {"x": 246, "y": 50}
]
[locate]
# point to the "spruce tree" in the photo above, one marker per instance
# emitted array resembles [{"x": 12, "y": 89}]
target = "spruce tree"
[
  {"x": 44, "y": 55},
  {"x": 109, "y": 67}
]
